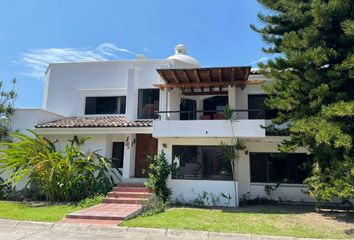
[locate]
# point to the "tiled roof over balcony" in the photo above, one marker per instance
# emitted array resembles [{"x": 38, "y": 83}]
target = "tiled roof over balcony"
[{"x": 94, "y": 122}]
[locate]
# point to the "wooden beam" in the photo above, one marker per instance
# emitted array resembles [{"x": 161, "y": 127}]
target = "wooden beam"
[
  {"x": 208, "y": 84},
  {"x": 209, "y": 76},
  {"x": 196, "y": 75},
  {"x": 174, "y": 76},
  {"x": 220, "y": 74},
  {"x": 233, "y": 74},
  {"x": 247, "y": 73},
  {"x": 186, "y": 75},
  {"x": 204, "y": 93}
]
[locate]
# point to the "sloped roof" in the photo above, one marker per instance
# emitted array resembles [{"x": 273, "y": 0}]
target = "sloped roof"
[{"x": 92, "y": 122}]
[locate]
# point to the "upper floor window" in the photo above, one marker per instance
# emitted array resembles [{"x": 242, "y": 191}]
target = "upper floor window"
[
  {"x": 279, "y": 167},
  {"x": 258, "y": 107},
  {"x": 105, "y": 105},
  {"x": 148, "y": 103}
]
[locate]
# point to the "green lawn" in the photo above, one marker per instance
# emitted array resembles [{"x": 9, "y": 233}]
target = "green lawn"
[
  {"x": 294, "y": 221},
  {"x": 35, "y": 212}
]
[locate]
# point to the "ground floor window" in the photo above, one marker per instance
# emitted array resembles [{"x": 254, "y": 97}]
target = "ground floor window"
[
  {"x": 200, "y": 162},
  {"x": 279, "y": 167},
  {"x": 117, "y": 154}
]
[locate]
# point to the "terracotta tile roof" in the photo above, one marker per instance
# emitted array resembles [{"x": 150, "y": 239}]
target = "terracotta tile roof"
[{"x": 91, "y": 122}]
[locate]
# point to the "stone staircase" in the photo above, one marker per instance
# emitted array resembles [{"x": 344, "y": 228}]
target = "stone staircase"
[
  {"x": 122, "y": 203},
  {"x": 128, "y": 193}
]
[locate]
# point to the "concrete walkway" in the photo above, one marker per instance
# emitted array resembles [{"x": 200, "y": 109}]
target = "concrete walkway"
[{"x": 23, "y": 230}]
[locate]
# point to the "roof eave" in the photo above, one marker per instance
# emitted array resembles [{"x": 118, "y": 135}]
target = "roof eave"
[{"x": 93, "y": 130}]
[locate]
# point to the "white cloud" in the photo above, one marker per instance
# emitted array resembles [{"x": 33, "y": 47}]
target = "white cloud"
[
  {"x": 146, "y": 50},
  {"x": 110, "y": 49},
  {"x": 37, "y": 60},
  {"x": 262, "y": 59}
]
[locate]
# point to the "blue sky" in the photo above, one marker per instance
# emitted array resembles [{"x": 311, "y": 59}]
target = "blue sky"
[{"x": 34, "y": 33}]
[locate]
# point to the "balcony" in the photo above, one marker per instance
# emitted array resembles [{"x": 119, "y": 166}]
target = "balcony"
[{"x": 206, "y": 124}]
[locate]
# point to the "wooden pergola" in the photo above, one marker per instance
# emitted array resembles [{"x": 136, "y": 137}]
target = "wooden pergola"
[{"x": 205, "y": 78}]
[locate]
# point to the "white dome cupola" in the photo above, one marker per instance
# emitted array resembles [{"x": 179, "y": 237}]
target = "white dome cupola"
[
  {"x": 180, "y": 49},
  {"x": 181, "y": 55}
]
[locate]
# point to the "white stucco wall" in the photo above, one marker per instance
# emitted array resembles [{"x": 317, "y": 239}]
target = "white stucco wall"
[
  {"x": 286, "y": 192},
  {"x": 188, "y": 190},
  {"x": 27, "y": 118},
  {"x": 208, "y": 128},
  {"x": 67, "y": 84}
]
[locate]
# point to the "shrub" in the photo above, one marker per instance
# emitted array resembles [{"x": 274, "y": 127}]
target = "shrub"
[
  {"x": 160, "y": 169},
  {"x": 68, "y": 175},
  {"x": 152, "y": 206},
  {"x": 91, "y": 201},
  {"x": 5, "y": 189}
]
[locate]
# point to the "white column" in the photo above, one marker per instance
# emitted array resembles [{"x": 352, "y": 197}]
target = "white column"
[
  {"x": 243, "y": 173},
  {"x": 163, "y": 103},
  {"x": 199, "y": 107},
  {"x": 232, "y": 96},
  {"x": 129, "y": 156},
  {"x": 132, "y": 96},
  {"x": 174, "y": 103}
]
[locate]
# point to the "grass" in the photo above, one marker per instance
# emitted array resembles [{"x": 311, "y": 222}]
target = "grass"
[
  {"x": 35, "y": 212},
  {"x": 263, "y": 220},
  {"x": 42, "y": 211}
]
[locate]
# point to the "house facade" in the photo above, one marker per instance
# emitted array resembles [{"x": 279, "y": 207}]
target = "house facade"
[{"x": 131, "y": 109}]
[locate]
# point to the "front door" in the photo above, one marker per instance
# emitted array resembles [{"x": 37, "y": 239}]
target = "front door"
[{"x": 146, "y": 146}]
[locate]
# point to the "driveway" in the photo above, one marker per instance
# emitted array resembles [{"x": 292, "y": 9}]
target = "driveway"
[{"x": 21, "y": 230}]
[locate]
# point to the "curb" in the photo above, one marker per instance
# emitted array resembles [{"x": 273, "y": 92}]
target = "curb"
[{"x": 163, "y": 232}]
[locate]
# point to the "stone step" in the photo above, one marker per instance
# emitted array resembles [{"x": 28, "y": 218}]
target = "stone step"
[
  {"x": 108, "y": 223},
  {"x": 111, "y": 212},
  {"x": 132, "y": 189},
  {"x": 131, "y": 184},
  {"x": 129, "y": 194},
  {"x": 96, "y": 217},
  {"x": 124, "y": 200}
]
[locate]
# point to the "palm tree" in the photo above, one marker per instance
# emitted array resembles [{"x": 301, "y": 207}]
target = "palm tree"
[{"x": 231, "y": 152}]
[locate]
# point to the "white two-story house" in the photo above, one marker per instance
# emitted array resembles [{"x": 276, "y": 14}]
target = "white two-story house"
[{"x": 135, "y": 108}]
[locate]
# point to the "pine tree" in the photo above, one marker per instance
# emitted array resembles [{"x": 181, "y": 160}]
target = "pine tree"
[
  {"x": 312, "y": 42},
  {"x": 7, "y": 99}
]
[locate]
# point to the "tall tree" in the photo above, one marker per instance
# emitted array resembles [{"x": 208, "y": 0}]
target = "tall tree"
[
  {"x": 313, "y": 88},
  {"x": 7, "y": 99}
]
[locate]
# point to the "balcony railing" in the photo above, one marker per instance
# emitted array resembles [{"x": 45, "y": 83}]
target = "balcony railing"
[{"x": 240, "y": 114}]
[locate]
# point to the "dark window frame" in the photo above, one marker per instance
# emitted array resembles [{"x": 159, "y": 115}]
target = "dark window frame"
[
  {"x": 149, "y": 115},
  {"x": 281, "y": 162},
  {"x": 117, "y": 161},
  {"x": 119, "y": 108},
  {"x": 204, "y": 168},
  {"x": 263, "y": 113}
]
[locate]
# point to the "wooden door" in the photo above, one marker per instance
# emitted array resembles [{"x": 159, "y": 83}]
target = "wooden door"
[{"x": 146, "y": 146}]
